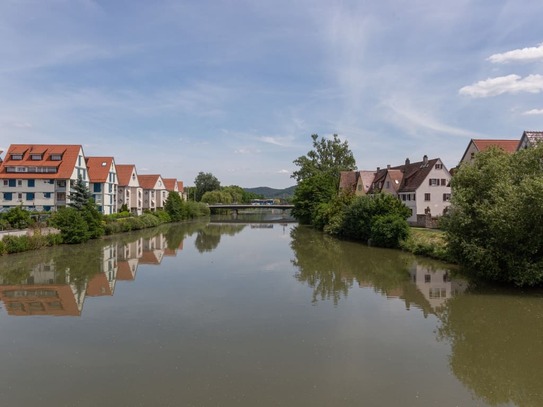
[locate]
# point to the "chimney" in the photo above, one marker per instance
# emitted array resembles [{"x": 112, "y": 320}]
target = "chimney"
[
  {"x": 425, "y": 160},
  {"x": 388, "y": 166},
  {"x": 407, "y": 162},
  {"x": 378, "y": 169}
]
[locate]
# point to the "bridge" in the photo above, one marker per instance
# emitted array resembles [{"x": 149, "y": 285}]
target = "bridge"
[{"x": 236, "y": 207}]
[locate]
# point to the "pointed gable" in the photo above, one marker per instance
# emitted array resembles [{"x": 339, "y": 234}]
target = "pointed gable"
[
  {"x": 170, "y": 184},
  {"x": 153, "y": 181},
  {"x": 127, "y": 175},
  {"x": 530, "y": 139},
  {"x": 99, "y": 168},
  {"x": 347, "y": 181}
]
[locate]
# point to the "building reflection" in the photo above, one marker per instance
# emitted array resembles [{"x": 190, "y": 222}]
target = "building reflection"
[{"x": 58, "y": 284}]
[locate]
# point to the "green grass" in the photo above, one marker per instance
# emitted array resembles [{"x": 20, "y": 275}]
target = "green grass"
[{"x": 427, "y": 242}]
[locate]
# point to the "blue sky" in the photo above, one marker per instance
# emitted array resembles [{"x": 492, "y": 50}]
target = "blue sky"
[{"x": 236, "y": 88}]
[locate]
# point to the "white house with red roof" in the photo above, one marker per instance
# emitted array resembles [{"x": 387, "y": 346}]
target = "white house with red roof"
[
  {"x": 103, "y": 183},
  {"x": 181, "y": 190},
  {"x": 477, "y": 145},
  {"x": 129, "y": 191},
  {"x": 154, "y": 191},
  {"x": 39, "y": 177}
]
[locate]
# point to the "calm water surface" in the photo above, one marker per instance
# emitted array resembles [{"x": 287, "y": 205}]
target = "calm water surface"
[{"x": 258, "y": 315}]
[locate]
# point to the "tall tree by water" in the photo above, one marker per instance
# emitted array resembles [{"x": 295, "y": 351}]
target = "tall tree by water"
[
  {"x": 205, "y": 182},
  {"x": 318, "y": 175}
]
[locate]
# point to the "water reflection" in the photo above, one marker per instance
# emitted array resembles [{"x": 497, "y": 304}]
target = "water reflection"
[
  {"x": 209, "y": 237},
  {"x": 332, "y": 267},
  {"x": 56, "y": 281}
]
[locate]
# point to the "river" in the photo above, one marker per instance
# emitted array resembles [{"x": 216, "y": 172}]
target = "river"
[{"x": 258, "y": 314}]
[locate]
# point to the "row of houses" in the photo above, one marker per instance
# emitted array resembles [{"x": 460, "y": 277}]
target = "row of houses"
[
  {"x": 424, "y": 186},
  {"x": 40, "y": 177}
]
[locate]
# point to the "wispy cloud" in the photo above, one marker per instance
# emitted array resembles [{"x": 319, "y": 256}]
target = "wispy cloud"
[
  {"x": 504, "y": 84},
  {"x": 533, "y": 112},
  {"x": 518, "y": 55}
]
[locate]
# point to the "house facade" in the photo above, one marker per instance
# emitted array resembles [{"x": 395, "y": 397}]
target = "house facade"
[
  {"x": 530, "y": 139},
  {"x": 154, "y": 191},
  {"x": 477, "y": 145},
  {"x": 129, "y": 191},
  {"x": 103, "y": 183},
  {"x": 39, "y": 177}
]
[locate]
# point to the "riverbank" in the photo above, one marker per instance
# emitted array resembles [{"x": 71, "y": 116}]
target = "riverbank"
[{"x": 427, "y": 242}]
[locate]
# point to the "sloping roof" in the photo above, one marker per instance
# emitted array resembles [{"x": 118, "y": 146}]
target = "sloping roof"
[
  {"x": 509, "y": 146},
  {"x": 98, "y": 286},
  {"x": 64, "y": 167},
  {"x": 124, "y": 272},
  {"x": 148, "y": 181},
  {"x": 533, "y": 136},
  {"x": 347, "y": 180},
  {"x": 98, "y": 168},
  {"x": 170, "y": 183},
  {"x": 180, "y": 186},
  {"x": 379, "y": 178},
  {"x": 124, "y": 172},
  {"x": 414, "y": 174},
  {"x": 366, "y": 178},
  {"x": 396, "y": 176}
]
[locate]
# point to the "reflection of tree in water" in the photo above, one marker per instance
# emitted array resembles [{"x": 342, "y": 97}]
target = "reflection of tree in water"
[
  {"x": 209, "y": 237},
  {"x": 331, "y": 267},
  {"x": 497, "y": 345}
]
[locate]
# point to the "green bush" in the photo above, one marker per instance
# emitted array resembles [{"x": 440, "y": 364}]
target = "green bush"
[
  {"x": 16, "y": 244},
  {"x": 72, "y": 225},
  {"x": 389, "y": 230},
  {"x": 2, "y": 248}
]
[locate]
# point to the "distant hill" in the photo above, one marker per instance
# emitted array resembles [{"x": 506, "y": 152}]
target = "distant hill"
[{"x": 272, "y": 192}]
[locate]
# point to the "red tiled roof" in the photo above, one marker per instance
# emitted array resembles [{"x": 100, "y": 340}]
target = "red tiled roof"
[
  {"x": 148, "y": 181},
  {"x": 180, "y": 186},
  {"x": 98, "y": 286},
  {"x": 98, "y": 168},
  {"x": 124, "y": 172},
  {"x": 124, "y": 273},
  {"x": 170, "y": 183},
  {"x": 347, "y": 180},
  {"x": 65, "y": 167},
  {"x": 509, "y": 146}
]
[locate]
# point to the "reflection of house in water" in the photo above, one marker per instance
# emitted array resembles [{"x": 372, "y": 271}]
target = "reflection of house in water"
[
  {"x": 262, "y": 226},
  {"x": 153, "y": 250},
  {"x": 436, "y": 285},
  {"x": 46, "y": 292},
  {"x": 103, "y": 283},
  {"x": 128, "y": 258}
]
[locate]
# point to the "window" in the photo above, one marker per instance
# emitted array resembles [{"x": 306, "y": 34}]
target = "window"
[
  {"x": 360, "y": 187},
  {"x": 97, "y": 187},
  {"x": 443, "y": 182},
  {"x": 20, "y": 182},
  {"x": 388, "y": 184},
  {"x": 55, "y": 157},
  {"x": 12, "y": 182},
  {"x": 6, "y": 182},
  {"x": 439, "y": 166},
  {"x": 31, "y": 183},
  {"x": 426, "y": 197},
  {"x": 46, "y": 208},
  {"x": 61, "y": 184},
  {"x": 61, "y": 196},
  {"x": 446, "y": 197},
  {"x": 36, "y": 157},
  {"x": 30, "y": 196},
  {"x": 433, "y": 182},
  {"x": 47, "y": 195},
  {"x": 7, "y": 196},
  {"x": 19, "y": 196},
  {"x": 427, "y": 278},
  {"x": 16, "y": 156}
]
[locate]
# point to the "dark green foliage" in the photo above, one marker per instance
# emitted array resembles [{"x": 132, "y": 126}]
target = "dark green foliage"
[
  {"x": 94, "y": 220},
  {"x": 318, "y": 176},
  {"x": 72, "y": 225},
  {"x": 18, "y": 218},
  {"x": 205, "y": 182},
  {"x": 215, "y": 197},
  {"x": 365, "y": 211},
  {"x": 124, "y": 208},
  {"x": 174, "y": 207},
  {"x": 80, "y": 195},
  {"x": 495, "y": 225},
  {"x": 389, "y": 230}
]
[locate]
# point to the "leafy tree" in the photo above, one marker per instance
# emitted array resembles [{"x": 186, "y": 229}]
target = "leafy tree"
[
  {"x": 18, "y": 218},
  {"x": 205, "y": 182},
  {"x": 174, "y": 207},
  {"x": 72, "y": 225},
  {"x": 318, "y": 176},
  {"x": 495, "y": 223},
  {"x": 80, "y": 194},
  {"x": 380, "y": 218},
  {"x": 237, "y": 193},
  {"x": 214, "y": 197}
]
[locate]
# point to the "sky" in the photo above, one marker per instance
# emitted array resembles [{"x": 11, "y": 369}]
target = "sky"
[{"x": 237, "y": 88}]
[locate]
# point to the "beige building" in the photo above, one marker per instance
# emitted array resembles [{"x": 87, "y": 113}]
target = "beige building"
[
  {"x": 154, "y": 191},
  {"x": 130, "y": 192},
  {"x": 103, "y": 183},
  {"x": 39, "y": 177}
]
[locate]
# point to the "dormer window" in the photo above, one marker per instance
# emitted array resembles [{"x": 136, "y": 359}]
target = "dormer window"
[
  {"x": 36, "y": 157},
  {"x": 56, "y": 157},
  {"x": 16, "y": 156}
]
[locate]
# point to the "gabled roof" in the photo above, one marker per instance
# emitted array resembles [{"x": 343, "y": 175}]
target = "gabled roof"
[
  {"x": 180, "y": 186},
  {"x": 396, "y": 177},
  {"x": 98, "y": 168},
  {"x": 64, "y": 167},
  {"x": 98, "y": 286},
  {"x": 366, "y": 178},
  {"x": 509, "y": 146},
  {"x": 170, "y": 184},
  {"x": 124, "y": 172},
  {"x": 533, "y": 137},
  {"x": 414, "y": 174},
  {"x": 149, "y": 181}
]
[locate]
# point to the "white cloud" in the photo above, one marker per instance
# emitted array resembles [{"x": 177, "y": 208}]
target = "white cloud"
[
  {"x": 283, "y": 171},
  {"x": 518, "y": 55},
  {"x": 504, "y": 84},
  {"x": 533, "y": 112}
]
